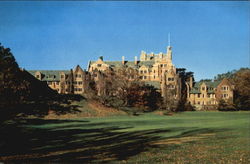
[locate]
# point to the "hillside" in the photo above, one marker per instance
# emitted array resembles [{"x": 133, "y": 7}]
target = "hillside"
[{"x": 84, "y": 109}]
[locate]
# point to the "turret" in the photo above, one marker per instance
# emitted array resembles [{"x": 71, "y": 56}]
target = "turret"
[
  {"x": 143, "y": 56},
  {"x": 169, "y": 53},
  {"x": 123, "y": 60},
  {"x": 136, "y": 60}
]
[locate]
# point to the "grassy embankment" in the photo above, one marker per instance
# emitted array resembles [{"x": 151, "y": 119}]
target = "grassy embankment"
[{"x": 189, "y": 137}]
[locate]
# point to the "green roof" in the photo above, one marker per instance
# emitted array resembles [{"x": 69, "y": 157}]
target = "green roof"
[
  {"x": 155, "y": 84},
  {"x": 127, "y": 63},
  {"x": 210, "y": 84},
  {"x": 49, "y": 75}
]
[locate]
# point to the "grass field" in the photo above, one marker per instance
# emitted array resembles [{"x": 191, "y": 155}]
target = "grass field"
[{"x": 188, "y": 137}]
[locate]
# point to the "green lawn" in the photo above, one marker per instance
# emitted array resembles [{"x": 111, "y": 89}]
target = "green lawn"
[{"x": 188, "y": 137}]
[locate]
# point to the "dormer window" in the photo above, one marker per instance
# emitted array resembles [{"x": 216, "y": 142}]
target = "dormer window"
[
  {"x": 37, "y": 76},
  {"x": 99, "y": 65},
  {"x": 203, "y": 88},
  {"x": 225, "y": 95},
  {"x": 170, "y": 79},
  {"x": 225, "y": 88},
  {"x": 62, "y": 76}
]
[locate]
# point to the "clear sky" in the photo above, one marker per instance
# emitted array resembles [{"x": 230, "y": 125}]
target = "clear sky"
[{"x": 207, "y": 37}]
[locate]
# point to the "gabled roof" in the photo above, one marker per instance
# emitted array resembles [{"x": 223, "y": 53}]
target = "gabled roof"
[
  {"x": 209, "y": 84},
  {"x": 49, "y": 75},
  {"x": 127, "y": 63}
]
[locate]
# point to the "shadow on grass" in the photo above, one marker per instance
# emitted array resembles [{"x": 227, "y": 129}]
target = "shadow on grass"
[
  {"x": 79, "y": 141},
  {"x": 58, "y": 104}
]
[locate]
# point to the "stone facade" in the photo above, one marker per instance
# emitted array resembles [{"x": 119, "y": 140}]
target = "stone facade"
[
  {"x": 64, "y": 81},
  {"x": 206, "y": 94},
  {"x": 154, "y": 69}
]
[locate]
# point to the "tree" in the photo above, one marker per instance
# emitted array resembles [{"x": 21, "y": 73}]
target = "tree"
[
  {"x": 17, "y": 86},
  {"x": 122, "y": 88},
  {"x": 241, "y": 80},
  {"x": 226, "y": 105}
]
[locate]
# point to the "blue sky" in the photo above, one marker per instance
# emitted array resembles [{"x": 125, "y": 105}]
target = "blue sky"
[{"x": 207, "y": 37}]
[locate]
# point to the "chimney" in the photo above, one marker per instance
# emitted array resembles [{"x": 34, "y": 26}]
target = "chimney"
[
  {"x": 123, "y": 60},
  {"x": 101, "y": 58},
  {"x": 135, "y": 60},
  {"x": 191, "y": 82}
]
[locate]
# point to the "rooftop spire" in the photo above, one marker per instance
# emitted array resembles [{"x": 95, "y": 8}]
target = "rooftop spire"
[{"x": 169, "y": 39}]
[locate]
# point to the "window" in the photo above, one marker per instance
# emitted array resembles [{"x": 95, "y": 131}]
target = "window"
[
  {"x": 141, "y": 72},
  {"x": 198, "y": 102},
  {"x": 225, "y": 88},
  {"x": 62, "y": 76},
  {"x": 203, "y": 88},
  {"x": 171, "y": 86},
  {"x": 80, "y": 82},
  {"x": 225, "y": 96},
  {"x": 57, "y": 83},
  {"x": 203, "y": 95},
  {"x": 170, "y": 79},
  {"x": 154, "y": 71},
  {"x": 199, "y": 95},
  {"x": 154, "y": 77},
  {"x": 37, "y": 76},
  {"x": 145, "y": 77},
  {"x": 145, "y": 71},
  {"x": 78, "y": 75},
  {"x": 99, "y": 65}
]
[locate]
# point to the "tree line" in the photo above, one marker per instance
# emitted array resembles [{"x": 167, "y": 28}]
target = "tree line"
[{"x": 121, "y": 89}]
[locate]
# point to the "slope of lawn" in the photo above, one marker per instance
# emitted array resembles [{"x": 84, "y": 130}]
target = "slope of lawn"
[{"x": 188, "y": 137}]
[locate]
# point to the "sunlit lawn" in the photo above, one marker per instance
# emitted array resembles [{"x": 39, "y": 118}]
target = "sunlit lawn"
[{"x": 189, "y": 137}]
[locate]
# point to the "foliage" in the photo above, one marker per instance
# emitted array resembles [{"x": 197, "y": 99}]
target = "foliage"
[
  {"x": 122, "y": 88},
  {"x": 21, "y": 93},
  {"x": 226, "y": 105},
  {"x": 227, "y": 75},
  {"x": 241, "y": 80}
]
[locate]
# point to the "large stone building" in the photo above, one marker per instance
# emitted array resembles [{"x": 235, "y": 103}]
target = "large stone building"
[
  {"x": 206, "y": 94},
  {"x": 153, "y": 69},
  {"x": 64, "y": 81}
]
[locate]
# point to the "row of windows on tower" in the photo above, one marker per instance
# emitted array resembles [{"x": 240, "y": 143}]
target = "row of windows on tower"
[
  {"x": 203, "y": 95},
  {"x": 77, "y": 89},
  {"x": 203, "y": 102},
  {"x": 67, "y": 82},
  {"x": 51, "y": 82},
  {"x": 76, "y": 75}
]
